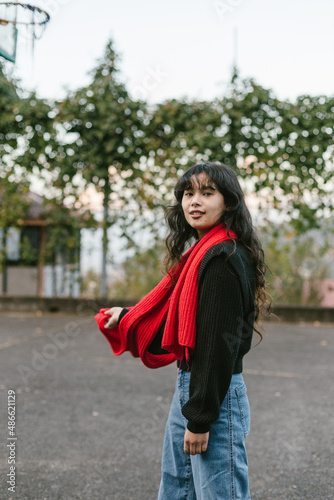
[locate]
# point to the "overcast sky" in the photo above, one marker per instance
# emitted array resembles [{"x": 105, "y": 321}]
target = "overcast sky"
[{"x": 185, "y": 47}]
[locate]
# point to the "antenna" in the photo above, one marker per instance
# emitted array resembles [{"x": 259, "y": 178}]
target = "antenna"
[
  {"x": 235, "y": 47},
  {"x": 235, "y": 54}
]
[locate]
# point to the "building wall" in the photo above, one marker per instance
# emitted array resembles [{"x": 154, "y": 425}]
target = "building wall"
[{"x": 21, "y": 281}]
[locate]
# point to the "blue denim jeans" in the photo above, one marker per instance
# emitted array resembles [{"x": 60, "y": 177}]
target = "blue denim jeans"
[{"x": 221, "y": 472}]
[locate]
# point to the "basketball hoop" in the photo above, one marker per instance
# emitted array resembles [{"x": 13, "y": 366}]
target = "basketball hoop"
[{"x": 16, "y": 17}]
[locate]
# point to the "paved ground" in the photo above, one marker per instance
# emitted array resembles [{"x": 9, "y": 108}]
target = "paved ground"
[{"x": 90, "y": 425}]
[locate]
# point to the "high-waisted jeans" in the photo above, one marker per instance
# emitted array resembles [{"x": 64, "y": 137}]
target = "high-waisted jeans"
[{"x": 221, "y": 472}]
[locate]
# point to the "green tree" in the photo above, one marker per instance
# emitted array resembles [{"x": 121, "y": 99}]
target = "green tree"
[
  {"x": 105, "y": 132},
  {"x": 178, "y": 134},
  {"x": 306, "y": 161},
  {"x": 26, "y": 128},
  {"x": 9, "y": 121},
  {"x": 283, "y": 150}
]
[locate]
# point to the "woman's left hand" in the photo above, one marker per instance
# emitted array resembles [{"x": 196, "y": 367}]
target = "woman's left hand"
[{"x": 195, "y": 443}]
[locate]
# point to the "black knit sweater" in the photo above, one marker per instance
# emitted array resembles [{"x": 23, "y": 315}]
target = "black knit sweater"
[{"x": 224, "y": 328}]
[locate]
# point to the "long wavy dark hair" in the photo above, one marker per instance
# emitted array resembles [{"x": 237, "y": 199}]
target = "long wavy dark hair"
[{"x": 236, "y": 217}]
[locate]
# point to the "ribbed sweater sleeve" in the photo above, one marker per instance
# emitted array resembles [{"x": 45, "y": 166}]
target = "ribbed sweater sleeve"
[{"x": 218, "y": 337}]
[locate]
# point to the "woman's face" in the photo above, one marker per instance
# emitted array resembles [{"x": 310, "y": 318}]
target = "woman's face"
[{"x": 202, "y": 204}]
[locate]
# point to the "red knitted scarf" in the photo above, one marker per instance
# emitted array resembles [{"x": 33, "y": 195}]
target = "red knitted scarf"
[{"x": 174, "y": 302}]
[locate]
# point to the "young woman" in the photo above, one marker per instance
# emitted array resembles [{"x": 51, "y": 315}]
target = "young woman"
[{"x": 201, "y": 314}]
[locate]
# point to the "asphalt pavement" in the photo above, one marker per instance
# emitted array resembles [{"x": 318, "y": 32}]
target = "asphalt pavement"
[{"x": 88, "y": 425}]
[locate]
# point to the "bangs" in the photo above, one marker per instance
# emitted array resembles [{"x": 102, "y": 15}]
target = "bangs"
[{"x": 190, "y": 180}]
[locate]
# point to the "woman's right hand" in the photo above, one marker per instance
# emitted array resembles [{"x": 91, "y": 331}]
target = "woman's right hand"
[{"x": 114, "y": 313}]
